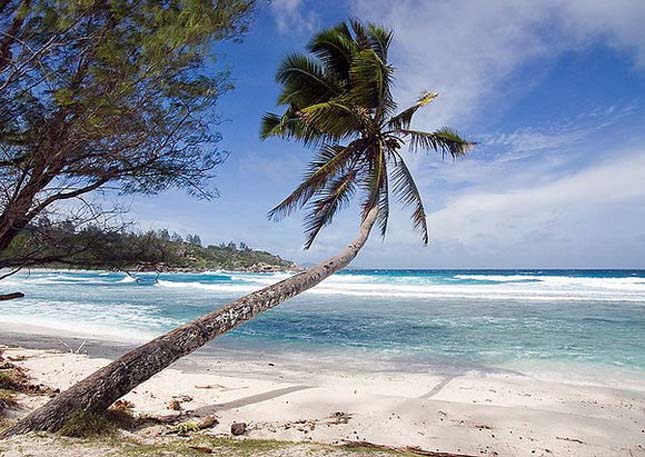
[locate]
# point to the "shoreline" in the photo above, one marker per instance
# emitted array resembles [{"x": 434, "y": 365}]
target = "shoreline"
[
  {"x": 501, "y": 414},
  {"x": 177, "y": 270},
  {"x": 221, "y": 352}
]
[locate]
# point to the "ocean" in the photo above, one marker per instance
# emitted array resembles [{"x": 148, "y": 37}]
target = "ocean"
[{"x": 591, "y": 322}]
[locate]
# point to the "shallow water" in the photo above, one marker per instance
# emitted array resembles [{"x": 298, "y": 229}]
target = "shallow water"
[{"x": 449, "y": 320}]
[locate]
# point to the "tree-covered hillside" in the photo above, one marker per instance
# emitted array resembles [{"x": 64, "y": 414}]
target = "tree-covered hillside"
[{"x": 94, "y": 248}]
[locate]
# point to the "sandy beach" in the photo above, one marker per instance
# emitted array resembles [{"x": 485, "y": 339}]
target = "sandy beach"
[{"x": 505, "y": 414}]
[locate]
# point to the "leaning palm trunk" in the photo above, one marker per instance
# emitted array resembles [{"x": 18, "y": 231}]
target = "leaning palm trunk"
[{"x": 99, "y": 390}]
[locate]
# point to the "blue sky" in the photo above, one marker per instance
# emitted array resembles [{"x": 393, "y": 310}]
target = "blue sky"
[{"x": 553, "y": 90}]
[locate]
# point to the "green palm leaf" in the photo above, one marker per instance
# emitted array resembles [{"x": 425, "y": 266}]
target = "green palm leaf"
[
  {"x": 337, "y": 195},
  {"x": 383, "y": 204},
  {"x": 304, "y": 81},
  {"x": 335, "y": 118},
  {"x": 444, "y": 140},
  {"x": 330, "y": 161},
  {"x": 406, "y": 191},
  {"x": 404, "y": 118},
  {"x": 289, "y": 126},
  {"x": 372, "y": 182},
  {"x": 341, "y": 92},
  {"x": 334, "y": 47},
  {"x": 379, "y": 40},
  {"x": 371, "y": 79}
]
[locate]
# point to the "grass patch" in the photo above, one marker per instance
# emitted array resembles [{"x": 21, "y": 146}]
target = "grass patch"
[
  {"x": 83, "y": 424},
  {"x": 11, "y": 379},
  {"x": 129, "y": 446},
  {"x": 195, "y": 447},
  {"x": 7, "y": 400},
  {"x": 242, "y": 447},
  {"x": 8, "y": 397}
]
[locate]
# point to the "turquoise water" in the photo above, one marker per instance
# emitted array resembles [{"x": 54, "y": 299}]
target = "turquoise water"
[{"x": 420, "y": 319}]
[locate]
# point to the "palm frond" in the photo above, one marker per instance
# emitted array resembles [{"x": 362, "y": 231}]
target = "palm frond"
[
  {"x": 404, "y": 118},
  {"x": 379, "y": 40},
  {"x": 335, "y": 118},
  {"x": 336, "y": 196},
  {"x": 371, "y": 81},
  {"x": 271, "y": 125},
  {"x": 341, "y": 92},
  {"x": 372, "y": 181},
  {"x": 360, "y": 34},
  {"x": 331, "y": 161},
  {"x": 290, "y": 126},
  {"x": 383, "y": 203},
  {"x": 334, "y": 47},
  {"x": 304, "y": 81},
  {"x": 406, "y": 191},
  {"x": 444, "y": 140}
]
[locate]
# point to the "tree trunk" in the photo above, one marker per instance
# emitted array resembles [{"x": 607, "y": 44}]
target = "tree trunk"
[
  {"x": 10, "y": 227},
  {"x": 11, "y": 296},
  {"x": 14, "y": 218},
  {"x": 102, "y": 388}
]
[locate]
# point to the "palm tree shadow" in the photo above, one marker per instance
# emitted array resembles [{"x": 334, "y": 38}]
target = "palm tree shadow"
[
  {"x": 436, "y": 389},
  {"x": 250, "y": 400}
]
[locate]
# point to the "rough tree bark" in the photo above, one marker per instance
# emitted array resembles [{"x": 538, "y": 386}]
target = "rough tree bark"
[
  {"x": 11, "y": 296},
  {"x": 102, "y": 388}
]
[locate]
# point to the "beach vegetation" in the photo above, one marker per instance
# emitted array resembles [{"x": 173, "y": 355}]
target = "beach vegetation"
[
  {"x": 185, "y": 428},
  {"x": 84, "y": 424},
  {"x": 93, "y": 247},
  {"x": 12, "y": 382},
  {"x": 105, "y": 98},
  {"x": 337, "y": 98},
  {"x": 199, "y": 445},
  {"x": 9, "y": 379},
  {"x": 7, "y": 399}
]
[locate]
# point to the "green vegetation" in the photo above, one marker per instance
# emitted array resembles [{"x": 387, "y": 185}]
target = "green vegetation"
[
  {"x": 88, "y": 425},
  {"x": 9, "y": 379},
  {"x": 95, "y": 248},
  {"x": 185, "y": 428},
  {"x": 338, "y": 99},
  {"x": 222, "y": 447},
  {"x": 83, "y": 424},
  {"x": 12, "y": 381},
  {"x": 7, "y": 399},
  {"x": 118, "y": 445},
  {"x": 97, "y": 94}
]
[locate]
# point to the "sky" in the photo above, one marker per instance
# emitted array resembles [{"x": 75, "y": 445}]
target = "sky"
[{"x": 552, "y": 90}]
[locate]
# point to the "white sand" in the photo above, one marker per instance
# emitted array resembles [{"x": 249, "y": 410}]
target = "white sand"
[{"x": 501, "y": 414}]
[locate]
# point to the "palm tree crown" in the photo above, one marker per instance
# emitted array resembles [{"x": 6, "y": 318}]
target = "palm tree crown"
[{"x": 338, "y": 99}]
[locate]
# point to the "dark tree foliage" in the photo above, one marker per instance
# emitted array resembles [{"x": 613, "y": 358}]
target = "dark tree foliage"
[
  {"x": 107, "y": 94},
  {"x": 97, "y": 247},
  {"x": 338, "y": 98}
]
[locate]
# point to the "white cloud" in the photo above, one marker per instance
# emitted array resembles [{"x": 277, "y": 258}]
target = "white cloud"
[
  {"x": 590, "y": 218},
  {"x": 467, "y": 50},
  {"x": 559, "y": 133},
  {"x": 508, "y": 216},
  {"x": 523, "y": 196},
  {"x": 526, "y": 204},
  {"x": 619, "y": 22},
  {"x": 292, "y": 15}
]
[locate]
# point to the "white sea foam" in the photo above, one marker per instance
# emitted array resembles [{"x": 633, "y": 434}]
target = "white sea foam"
[
  {"x": 470, "y": 286},
  {"x": 127, "y": 279},
  {"x": 629, "y": 283},
  {"x": 223, "y": 287},
  {"x": 517, "y": 287},
  {"x": 527, "y": 315}
]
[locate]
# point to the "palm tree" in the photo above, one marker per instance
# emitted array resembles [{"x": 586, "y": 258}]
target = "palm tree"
[{"x": 339, "y": 100}]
